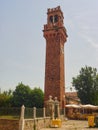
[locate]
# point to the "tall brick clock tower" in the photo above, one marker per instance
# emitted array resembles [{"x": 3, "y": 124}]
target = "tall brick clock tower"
[{"x": 55, "y": 35}]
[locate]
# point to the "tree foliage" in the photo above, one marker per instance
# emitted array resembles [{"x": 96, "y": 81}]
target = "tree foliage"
[
  {"x": 37, "y": 97},
  {"x": 86, "y": 84},
  {"x": 6, "y": 98},
  {"x": 21, "y": 95},
  {"x": 24, "y": 95}
]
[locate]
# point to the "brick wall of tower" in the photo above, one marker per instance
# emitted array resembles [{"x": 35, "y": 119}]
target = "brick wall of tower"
[
  {"x": 54, "y": 73},
  {"x": 55, "y": 35}
]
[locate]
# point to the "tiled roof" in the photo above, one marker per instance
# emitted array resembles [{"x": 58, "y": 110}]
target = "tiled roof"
[{"x": 71, "y": 94}]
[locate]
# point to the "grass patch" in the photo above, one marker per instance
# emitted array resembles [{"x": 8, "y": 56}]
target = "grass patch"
[{"x": 9, "y": 117}]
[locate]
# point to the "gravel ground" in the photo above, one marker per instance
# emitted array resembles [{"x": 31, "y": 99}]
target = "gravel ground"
[{"x": 73, "y": 125}]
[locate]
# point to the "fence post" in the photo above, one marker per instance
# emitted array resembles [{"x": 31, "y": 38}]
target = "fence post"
[
  {"x": 58, "y": 111},
  {"x": 34, "y": 112},
  {"x": 44, "y": 115},
  {"x": 44, "y": 112},
  {"x": 34, "y": 116},
  {"x": 21, "y": 121}
]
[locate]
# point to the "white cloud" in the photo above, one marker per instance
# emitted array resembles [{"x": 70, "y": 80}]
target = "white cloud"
[
  {"x": 88, "y": 39},
  {"x": 88, "y": 29},
  {"x": 93, "y": 43}
]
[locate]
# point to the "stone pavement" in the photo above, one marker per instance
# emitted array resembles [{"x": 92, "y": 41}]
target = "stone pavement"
[{"x": 73, "y": 125}]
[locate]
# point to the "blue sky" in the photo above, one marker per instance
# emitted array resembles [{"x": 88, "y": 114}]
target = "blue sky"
[{"x": 22, "y": 45}]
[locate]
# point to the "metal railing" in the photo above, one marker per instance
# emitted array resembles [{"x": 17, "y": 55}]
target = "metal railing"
[
  {"x": 10, "y": 112},
  {"x": 28, "y": 112}
]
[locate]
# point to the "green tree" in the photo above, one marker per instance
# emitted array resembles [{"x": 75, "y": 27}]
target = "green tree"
[
  {"x": 86, "y": 84},
  {"x": 21, "y": 95},
  {"x": 9, "y": 92},
  {"x": 24, "y": 95},
  {"x": 37, "y": 97},
  {"x": 6, "y": 98}
]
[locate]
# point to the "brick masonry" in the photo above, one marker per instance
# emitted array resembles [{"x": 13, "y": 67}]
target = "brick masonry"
[
  {"x": 36, "y": 124},
  {"x": 29, "y": 124},
  {"x": 6, "y": 124},
  {"x": 55, "y": 35}
]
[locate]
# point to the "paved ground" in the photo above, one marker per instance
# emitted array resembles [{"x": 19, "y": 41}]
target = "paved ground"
[{"x": 73, "y": 125}]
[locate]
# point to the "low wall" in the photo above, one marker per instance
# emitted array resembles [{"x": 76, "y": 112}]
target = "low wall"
[
  {"x": 36, "y": 124},
  {"x": 6, "y": 124},
  {"x": 29, "y": 124}
]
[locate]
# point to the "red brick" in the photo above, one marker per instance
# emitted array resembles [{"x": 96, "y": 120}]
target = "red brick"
[{"x": 55, "y": 35}]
